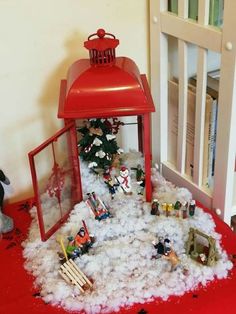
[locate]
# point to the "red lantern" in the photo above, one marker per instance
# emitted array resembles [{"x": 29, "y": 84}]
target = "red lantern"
[{"x": 102, "y": 86}]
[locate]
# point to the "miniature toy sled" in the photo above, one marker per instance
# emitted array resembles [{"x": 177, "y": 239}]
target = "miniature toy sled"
[
  {"x": 73, "y": 275},
  {"x": 98, "y": 207}
]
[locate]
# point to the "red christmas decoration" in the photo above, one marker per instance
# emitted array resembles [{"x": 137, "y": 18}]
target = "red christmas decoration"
[{"x": 103, "y": 86}]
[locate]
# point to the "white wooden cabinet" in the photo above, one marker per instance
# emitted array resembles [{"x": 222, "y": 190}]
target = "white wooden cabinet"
[{"x": 206, "y": 38}]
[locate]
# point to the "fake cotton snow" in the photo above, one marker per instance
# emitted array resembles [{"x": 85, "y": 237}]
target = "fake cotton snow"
[{"x": 121, "y": 261}]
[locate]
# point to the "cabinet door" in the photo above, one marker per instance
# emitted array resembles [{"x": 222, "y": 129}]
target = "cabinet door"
[{"x": 56, "y": 179}]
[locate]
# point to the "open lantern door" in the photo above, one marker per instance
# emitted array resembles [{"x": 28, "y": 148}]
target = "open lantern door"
[{"x": 55, "y": 175}]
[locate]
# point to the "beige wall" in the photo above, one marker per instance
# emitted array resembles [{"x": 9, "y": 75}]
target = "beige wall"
[{"x": 39, "y": 40}]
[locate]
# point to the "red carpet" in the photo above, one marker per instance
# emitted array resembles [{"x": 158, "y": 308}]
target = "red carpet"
[{"x": 17, "y": 294}]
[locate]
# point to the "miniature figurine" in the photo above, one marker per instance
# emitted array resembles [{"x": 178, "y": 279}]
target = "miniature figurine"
[
  {"x": 110, "y": 184},
  {"x": 164, "y": 207},
  {"x": 140, "y": 177},
  {"x": 83, "y": 240},
  {"x": 124, "y": 180},
  {"x": 173, "y": 258},
  {"x": 177, "y": 207},
  {"x": 159, "y": 247},
  {"x": 98, "y": 207},
  {"x": 6, "y": 223},
  {"x": 72, "y": 250},
  {"x": 202, "y": 258},
  {"x": 204, "y": 254},
  {"x": 184, "y": 210},
  {"x": 191, "y": 208},
  {"x": 169, "y": 208},
  {"x": 81, "y": 243},
  {"x": 165, "y": 250},
  {"x": 107, "y": 171},
  {"x": 167, "y": 246},
  {"x": 155, "y": 208},
  {"x": 140, "y": 190},
  {"x": 170, "y": 254}
]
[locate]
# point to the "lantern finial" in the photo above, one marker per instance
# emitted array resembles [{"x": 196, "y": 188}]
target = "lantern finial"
[
  {"x": 101, "y": 46},
  {"x": 101, "y": 32}
]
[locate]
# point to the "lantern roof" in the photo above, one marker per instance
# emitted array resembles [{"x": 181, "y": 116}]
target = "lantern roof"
[{"x": 104, "y": 85}]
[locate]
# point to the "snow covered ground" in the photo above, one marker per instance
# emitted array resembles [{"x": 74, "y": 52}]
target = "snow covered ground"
[{"x": 120, "y": 261}]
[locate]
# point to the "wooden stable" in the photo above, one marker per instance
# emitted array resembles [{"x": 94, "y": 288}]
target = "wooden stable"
[{"x": 194, "y": 248}]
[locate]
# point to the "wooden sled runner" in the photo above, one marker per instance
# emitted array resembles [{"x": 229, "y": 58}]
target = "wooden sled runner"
[{"x": 73, "y": 275}]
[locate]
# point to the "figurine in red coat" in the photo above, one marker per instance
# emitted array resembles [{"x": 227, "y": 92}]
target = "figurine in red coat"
[{"x": 82, "y": 237}]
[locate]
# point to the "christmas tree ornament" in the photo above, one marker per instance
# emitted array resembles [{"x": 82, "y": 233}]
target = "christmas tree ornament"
[
  {"x": 100, "y": 154},
  {"x": 110, "y": 137},
  {"x": 120, "y": 151},
  {"x": 97, "y": 142}
]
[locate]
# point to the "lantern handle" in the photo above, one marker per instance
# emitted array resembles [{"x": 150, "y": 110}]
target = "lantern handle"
[{"x": 101, "y": 33}]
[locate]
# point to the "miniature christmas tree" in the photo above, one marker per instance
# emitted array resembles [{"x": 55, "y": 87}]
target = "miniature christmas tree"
[{"x": 98, "y": 144}]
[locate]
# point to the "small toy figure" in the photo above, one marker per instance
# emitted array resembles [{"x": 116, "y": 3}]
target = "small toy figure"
[
  {"x": 169, "y": 208},
  {"x": 83, "y": 240},
  {"x": 124, "y": 180},
  {"x": 173, "y": 258},
  {"x": 110, "y": 184},
  {"x": 140, "y": 177},
  {"x": 177, "y": 207},
  {"x": 6, "y": 223},
  {"x": 202, "y": 258},
  {"x": 107, "y": 171},
  {"x": 191, "y": 208},
  {"x": 184, "y": 210},
  {"x": 155, "y": 208},
  {"x": 165, "y": 250},
  {"x": 164, "y": 207},
  {"x": 167, "y": 246},
  {"x": 199, "y": 250},
  {"x": 159, "y": 247},
  {"x": 72, "y": 250},
  {"x": 81, "y": 243},
  {"x": 98, "y": 207},
  {"x": 140, "y": 174}
]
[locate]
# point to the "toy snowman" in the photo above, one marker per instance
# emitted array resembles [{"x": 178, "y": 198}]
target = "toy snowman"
[{"x": 124, "y": 180}]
